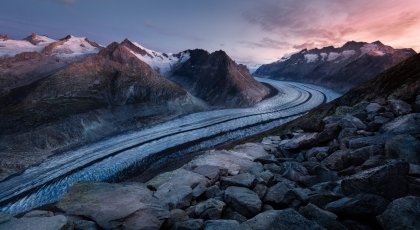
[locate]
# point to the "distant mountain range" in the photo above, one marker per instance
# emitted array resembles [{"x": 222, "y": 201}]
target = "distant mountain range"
[{"x": 338, "y": 68}]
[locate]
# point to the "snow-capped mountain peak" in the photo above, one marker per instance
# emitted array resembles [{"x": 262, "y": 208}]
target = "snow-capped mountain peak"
[
  {"x": 163, "y": 63},
  {"x": 70, "y": 46}
]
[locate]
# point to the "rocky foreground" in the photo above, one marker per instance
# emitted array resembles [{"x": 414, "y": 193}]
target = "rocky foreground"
[{"x": 361, "y": 171}]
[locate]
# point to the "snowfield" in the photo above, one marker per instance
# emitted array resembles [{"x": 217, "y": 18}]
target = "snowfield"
[{"x": 111, "y": 159}]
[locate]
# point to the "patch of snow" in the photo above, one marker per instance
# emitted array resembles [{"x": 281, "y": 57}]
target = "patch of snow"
[
  {"x": 161, "y": 62},
  {"x": 348, "y": 53},
  {"x": 74, "y": 46},
  {"x": 323, "y": 56},
  {"x": 311, "y": 58},
  {"x": 371, "y": 49},
  {"x": 287, "y": 57},
  {"x": 332, "y": 56},
  {"x": 9, "y": 48}
]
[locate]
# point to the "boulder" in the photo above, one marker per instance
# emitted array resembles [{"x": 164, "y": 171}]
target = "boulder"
[
  {"x": 231, "y": 214},
  {"x": 4, "y": 217},
  {"x": 210, "y": 209},
  {"x": 281, "y": 219},
  {"x": 241, "y": 180},
  {"x": 189, "y": 225},
  {"x": 222, "y": 225},
  {"x": 359, "y": 156},
  {"x": 314, "y": 152},
  {"x": 399, "y": 107},
  {"x": 274, "y": 168},
  {"x": 211, "y": 172},
  {"x": 199, "y": 190},
  {"x": 243, "y": 200},
  {"x": 294, "y": 171},
  {"x": 335, "y": 160},
  {"x": 110, "y": 205},
  {"x": 322, "y": 217},
  {"x": 232, "y": 161},
  {"x": 350, "y": 121},
  {"x": 284, "y": 193},
  {"x": 266, "y": 159},
  {"x": 374, "y": 108},
  {"x": 377, "y": 122},
  {"x": 174, "y": 195},
  {"x": 360, "y": 206},
  {"x": 360, "y": 142},
  {"x": 249, "y": 151},
  {"x": 407, "y": 124},
  {"x": 260, "y": 190},
  {"x": 402, "y": 213},
  {"x": 266, "y": 176},
  {"x": 299, "y": 141},
  {"x": 176, "y": 215},
  {"x": 213, "y": 191},
  {"x": 36, "y": 223},
  {"x": 179, "y": 176},
  {"x": 404, "y": 147},
  {"x": 387, "y": 180}
]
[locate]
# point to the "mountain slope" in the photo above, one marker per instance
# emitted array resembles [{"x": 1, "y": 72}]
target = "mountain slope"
[
  {"x": 338, "y": 68},
  {"x": 217, "y": 79},
  {"x": 399, "y": 82}
]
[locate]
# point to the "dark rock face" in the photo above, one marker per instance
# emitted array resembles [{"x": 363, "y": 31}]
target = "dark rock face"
[
  {"x": 339, "y": 68},
  {"x": 218, "y": 80}
]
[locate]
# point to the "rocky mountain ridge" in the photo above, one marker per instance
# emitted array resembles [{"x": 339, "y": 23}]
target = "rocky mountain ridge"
[{"x": 338, "y": 68}]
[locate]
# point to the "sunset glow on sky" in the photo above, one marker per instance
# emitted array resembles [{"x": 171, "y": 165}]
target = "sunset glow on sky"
[{"x": 250, "y": 31}]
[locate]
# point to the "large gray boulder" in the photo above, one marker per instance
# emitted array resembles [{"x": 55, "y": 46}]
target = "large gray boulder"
[
  {"x": 407, "y": 124},
  {"x": 241, "y": 180},
  {"x": 404, "y": 147},
  {"x": 284, "y": 193},
  {"x": 322, "y": 217},
  {"x": 281, "y": 219},
  {"x": 36, "y": 223},
  {"x": 222, "y": 225},
  {"x": 362, "y": 205},
  {"x": 210, "y": 209},
  {"x": 244, "y": 201},
  {"x": 399, "y": 107},
  {"x": 114, "y": 205},
  {"x": 179, "y": 177},
  {"x": 174, "y": 195},
  {"x": 402, "y": 213},
  {"x": 387, "y": 180}
]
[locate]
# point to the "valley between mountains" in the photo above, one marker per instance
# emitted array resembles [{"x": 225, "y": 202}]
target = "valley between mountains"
[{"x": 125, "y": 137}]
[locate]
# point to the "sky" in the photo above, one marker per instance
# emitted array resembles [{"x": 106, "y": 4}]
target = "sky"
[{"x": 250, "y": 31}]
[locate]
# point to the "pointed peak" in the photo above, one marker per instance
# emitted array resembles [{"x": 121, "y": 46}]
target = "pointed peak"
[
  {"x": 4, "y": 37},
  {"x": 379, "y": 43},
  {"x": 35, "y": 39}
]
